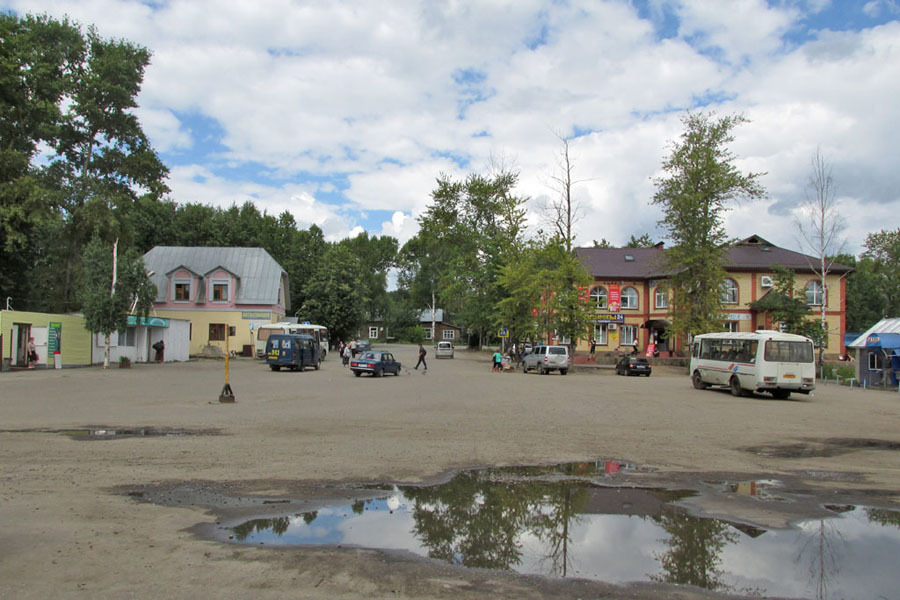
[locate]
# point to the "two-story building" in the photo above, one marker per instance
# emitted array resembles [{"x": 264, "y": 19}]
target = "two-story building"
[
  {"x": 225, "y": 293},
  {"x": 630, "y": 297}
]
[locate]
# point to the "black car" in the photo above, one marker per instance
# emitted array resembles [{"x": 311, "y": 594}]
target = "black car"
[
  {"x": 376, "y": 363},
  {"x": 633, "y": 365}
]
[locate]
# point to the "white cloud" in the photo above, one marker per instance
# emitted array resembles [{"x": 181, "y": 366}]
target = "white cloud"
[{"x": 388, "y": 96}]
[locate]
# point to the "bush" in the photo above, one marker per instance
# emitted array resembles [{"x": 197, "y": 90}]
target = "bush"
[
  {"x": 124, "y": 362},
  {"x": 846, "y": 372}
]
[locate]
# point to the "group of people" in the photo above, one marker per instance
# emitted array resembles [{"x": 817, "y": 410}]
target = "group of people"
[{"x": 346, "y": 351}]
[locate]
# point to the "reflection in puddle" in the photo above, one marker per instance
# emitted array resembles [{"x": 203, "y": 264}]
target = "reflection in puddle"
[{"x": 551, "y": 522}]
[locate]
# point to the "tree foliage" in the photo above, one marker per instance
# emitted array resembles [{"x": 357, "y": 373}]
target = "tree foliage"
[
  {"x": 787, "y": 306},
  {"x": 699, "y": 183},
  {"x": 470, "y": 229},
  {"x": 106, "y": 304},
  {"x": 883, "y": 249}
]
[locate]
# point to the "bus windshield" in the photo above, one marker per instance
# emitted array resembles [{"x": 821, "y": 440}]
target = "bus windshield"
[{"x": 783, "y": 351}]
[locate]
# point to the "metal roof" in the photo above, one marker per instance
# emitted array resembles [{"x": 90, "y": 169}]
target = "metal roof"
[
  {"x": 887, "y": 327},
  {"x": 750, "y": 254},
  {"x": 259, "y": 275}
]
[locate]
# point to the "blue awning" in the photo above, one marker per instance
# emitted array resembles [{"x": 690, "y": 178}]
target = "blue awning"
[{"x": 883, "y": 340}]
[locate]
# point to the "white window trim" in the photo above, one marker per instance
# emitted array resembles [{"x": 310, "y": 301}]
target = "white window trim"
[
  {"x": 601, "y": 334},
  {"x": 726, "y": 290},
  {"x": 634, "y": 334},
  {"x": 595, "y": 299},
  {"x": 428, "y": 333},
  {"x": 373, "y": 332},
  {"x": 636, "y": 297},
  {"x": 661, "y": 293},
  {"x": 449, "y": 334},
  {"x": 819, "y": 292}
]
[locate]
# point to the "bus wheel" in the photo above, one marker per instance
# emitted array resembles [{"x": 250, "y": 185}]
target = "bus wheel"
[
  {"x": 781, "y": 394},
  {"x": 275, "y": 367},
  {"x": 698, "y": 381},
  {"x": 736, "y": 387}
]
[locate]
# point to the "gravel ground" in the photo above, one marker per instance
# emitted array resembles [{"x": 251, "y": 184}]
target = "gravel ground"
[{"x": 72, "y": 523}]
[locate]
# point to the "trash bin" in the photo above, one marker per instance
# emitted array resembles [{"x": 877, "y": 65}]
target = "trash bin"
[{"x": 57, "y": 360}]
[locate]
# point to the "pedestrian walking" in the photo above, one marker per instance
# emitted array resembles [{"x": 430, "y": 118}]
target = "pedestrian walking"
[{"x": 422, "y": 353}]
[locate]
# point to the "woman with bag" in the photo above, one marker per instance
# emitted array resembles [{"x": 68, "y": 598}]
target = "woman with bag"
[{"x": 31, "y": 352}]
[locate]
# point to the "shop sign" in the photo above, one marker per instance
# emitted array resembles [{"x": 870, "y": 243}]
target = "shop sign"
[
  {"x": 736, "y": 317},
  {"x": 147, "y": 321},
  {"x": 54, "y": 339},
  {"x": 873, "y": 340},
  {"x": 608, "y": 318},
  {"x": 615, "y": 297},
  {"x": 257, "y": 314}
]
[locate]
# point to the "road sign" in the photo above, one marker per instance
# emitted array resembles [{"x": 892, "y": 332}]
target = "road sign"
[{"x": 504, "y": 332}]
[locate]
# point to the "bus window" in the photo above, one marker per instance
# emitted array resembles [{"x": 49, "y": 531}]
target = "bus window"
[{"x": 784, "y": 351}]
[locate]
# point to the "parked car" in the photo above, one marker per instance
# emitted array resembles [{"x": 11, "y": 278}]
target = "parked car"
[
  {"x": 377, "y": 363},
  {"x": 443, "y": 350},
  {"x": 292, "y": 351},
  {"x": 547, "y": 358},
  {"x": 633, "y": 365},
  {"x": 362, "y": 346}
]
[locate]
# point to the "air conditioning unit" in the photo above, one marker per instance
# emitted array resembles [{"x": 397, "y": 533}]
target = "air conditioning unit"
[
  {"x": 766, "y": 281},
  {"x": 613, "y": 326}
]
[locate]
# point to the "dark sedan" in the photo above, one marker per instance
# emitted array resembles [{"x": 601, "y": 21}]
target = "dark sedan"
[
  {"x": 376, "y": 363},
  {"x": 633, "y": 365}
]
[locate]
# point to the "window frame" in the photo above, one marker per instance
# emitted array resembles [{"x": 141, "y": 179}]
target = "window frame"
[
  {"x": 429, "y": 333},
  {"x": 448, "y": 334},
  {"x": 625, "y": 294},
  {"x": 220, "y": 283},
  {"x": 729, "y": 294},
  {"x": 634, "y": 335},
  {"x": 188, "y": 285},
  {"x": 603, "y": 330},
  {"x": 373, "y": 332},
  {"x": 600, "y": 299},
  {"x": 219, "y": 327},
  {"x": 661, "y": 292},
  {"x": 818, "y": 291}
]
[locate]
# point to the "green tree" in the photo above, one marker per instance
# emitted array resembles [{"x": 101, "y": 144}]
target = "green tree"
[
  {"x": 375, "y": 255},
  {"x": 644, "y": 241},
  {"x": 334, "y": 294},
  {"x": 469, "y": 231},
  {"x": 787, "y": 306},
  {"x": 699, "y": 182},
  {"x": 37, "y": 55},
  {"x": 110, "y": 285},
  {"x": 883, "y": 248}
]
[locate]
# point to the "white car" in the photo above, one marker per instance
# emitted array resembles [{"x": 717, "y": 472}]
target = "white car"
[
  {"x": 443, "y": 350},
  {"x": 547, "y": 358}
]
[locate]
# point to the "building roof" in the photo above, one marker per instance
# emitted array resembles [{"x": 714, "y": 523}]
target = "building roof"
[
  {"x": 259, "y": 275},
  {"x": 889, "y": 329},
  {"x": 751, "y": 254},
  {"x": 425, "y": 317}
]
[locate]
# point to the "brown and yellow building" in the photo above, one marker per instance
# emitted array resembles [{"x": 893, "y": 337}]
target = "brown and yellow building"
[{"x": 629, "y": 296}]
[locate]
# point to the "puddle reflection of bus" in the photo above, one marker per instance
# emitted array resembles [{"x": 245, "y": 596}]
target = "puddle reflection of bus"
[{"x": 317, "y": 332}]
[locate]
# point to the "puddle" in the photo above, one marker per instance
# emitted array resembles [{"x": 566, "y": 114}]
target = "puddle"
[
  {"x": 556, "y": 521},
  {"x": 106, "y": 433},
  {"x": 823, "y": 448}
]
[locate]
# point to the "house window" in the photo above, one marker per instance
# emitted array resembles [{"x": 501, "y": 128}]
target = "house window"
[
  {"x": 373, "y": 333},
  {"x": 732, "y": 326},
  {"x": 728, "y": 291},
  {"x": 629, "y": 298},
  {"x": 127, "y": 337},
  {"x": 599, "y": 296},
  {"x": 219, "y": 291},
  {"x": 628, "y": 335},
  {"x": 876, "y": 362},
  {"x": 815, "y": 296},
  {"x": 182, "y": 290},
  {"x": 661, "y": 298},
  {"x": 428, "y": 332},
  {"x": 449, "y": 334},
  {"x": 217, "y": 332},
  {"x": 600, "y": 333}
]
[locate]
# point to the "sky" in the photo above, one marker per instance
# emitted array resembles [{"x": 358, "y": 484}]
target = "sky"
[{"x": 345, "y": 112}]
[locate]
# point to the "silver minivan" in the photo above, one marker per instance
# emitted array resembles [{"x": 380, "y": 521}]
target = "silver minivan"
[
  {"x": 443, "y": 350},
  {"x": 547, "y": 358}
]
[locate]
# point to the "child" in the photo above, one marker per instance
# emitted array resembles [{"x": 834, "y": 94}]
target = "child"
[{"x": 498, "y": 359}]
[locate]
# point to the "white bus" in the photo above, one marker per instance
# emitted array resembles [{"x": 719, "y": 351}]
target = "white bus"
[
  {"x": 317, "y": 332},
  {"x": 762, "y": 361}
]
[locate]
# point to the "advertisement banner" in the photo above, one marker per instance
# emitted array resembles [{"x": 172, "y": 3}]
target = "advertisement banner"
[
  {"x": 54, "y": 342},
  {"x": 615, "y": 298},
  {"x": 607, "y": 318}
]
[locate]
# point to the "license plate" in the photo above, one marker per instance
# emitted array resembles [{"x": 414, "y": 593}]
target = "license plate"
[{"x": 790, "y": 376}]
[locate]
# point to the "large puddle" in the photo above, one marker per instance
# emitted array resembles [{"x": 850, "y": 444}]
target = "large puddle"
[{"x": 562, "y": 522}]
